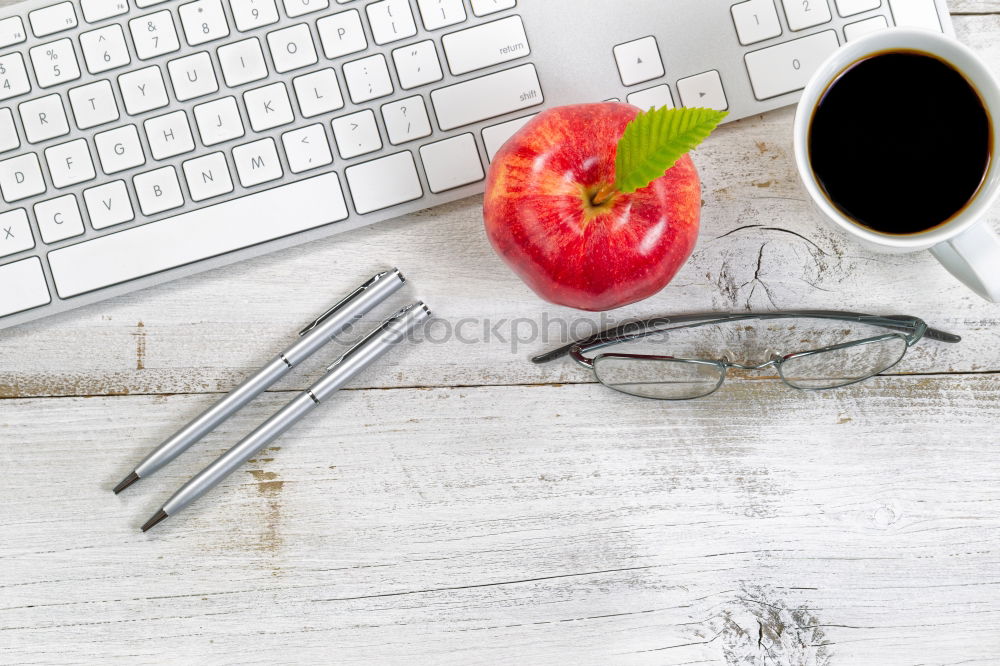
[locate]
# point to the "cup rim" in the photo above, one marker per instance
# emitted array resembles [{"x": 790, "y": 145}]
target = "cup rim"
[{"x": 962, "y": 58}]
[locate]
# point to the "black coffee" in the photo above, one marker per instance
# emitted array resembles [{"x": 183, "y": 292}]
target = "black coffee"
[{"x": 900, "y": 142}]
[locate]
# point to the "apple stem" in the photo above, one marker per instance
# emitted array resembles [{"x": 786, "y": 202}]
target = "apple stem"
[{"x": 603, "y": 195}]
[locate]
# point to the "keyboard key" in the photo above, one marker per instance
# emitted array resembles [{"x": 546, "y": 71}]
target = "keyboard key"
[
  {"x": 11, "y": 31},
  {"x": 306, "y": 148},
  {"x": 192, "y": 76},
  {"x": 22, "y": 286},
  {"x": 257, "y": 162},
  {"x": 20, "y": 178},
  {"x": 441, "y": 13},
  {"x": 301, "y": 7},
  {"x": 104, "y": 49},
  {"x": 487, "y": 97},
  {"x": 252, "y": 14},
  {"x": 291, "y": 48},
  {"x": 242, "y": 62},
  {"x": 93, "y": 104},
  {"x": 915, "y": 14},
  {"x": 119, "y": 149},
  {"x": 143, "y": 90},
  {"x": 169, "y": 135},
  {"x": 703, "y": 90},
  {"x": 493, "y": 43},
  {"x": 153, "y": 35},
  {"x": 452, "y": 163},
  {"x": 194, "y": 235},
  {"x": 13, "y": 77},
  {"x": 756, "y": 21},
  {"x": 58, "y": 219},
  {"x": 484, "y": 7},
  {"x": 70, "y": 163},
  {"x": 417, "y": 64},
  {"x": 650, "y": 98},
  {"x": 52, "y": 19},
  {"x": 341, "y": 34},
  {"x": 787, "y": 67},
  {"x": 390, "y": 21},
  {"x": 367, "y": 78},
  {"x": 495, "y": 136},
  {"x": 8, "y": 132},
  {"x": 861, "y": 28},
  {"x": 15, "y": 233},
  {"x": 268, "y": 106},
  {"x": 384, "y": 182},
  {"x": 218, "y": 121},
  {"x": 43, "y": 118},
  {"x": 108, "y": 204},
  {"x": 142, "y": 4},
  {"x": 406, "y": 120},
  {"x": 638, "y": 61},
  {"x": 158, "y": 190},
  {"x": 54, "y": 63},
  {"x": 851, "y": 7},
  {"x": 98, "y": 10},
  {"x": 356, "y": 134},
  {"x": 802, "y": 14},
  {"x": 203, "y": 21},
  {"x": 208, "y": 176},
  {"x": 318, "y": 93}
]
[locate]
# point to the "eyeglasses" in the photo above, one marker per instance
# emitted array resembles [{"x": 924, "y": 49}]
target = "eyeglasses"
[{"x": 831, "y": 349}]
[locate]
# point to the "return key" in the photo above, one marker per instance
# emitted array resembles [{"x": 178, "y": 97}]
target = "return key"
[{"x": 485, "y": 45}]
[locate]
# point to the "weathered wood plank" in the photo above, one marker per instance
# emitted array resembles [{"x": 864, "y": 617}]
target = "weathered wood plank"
[
  {"x": 205, "y": 333},
  {"x": 974, "y": 6},
  {"x": 574, "y": 525}
]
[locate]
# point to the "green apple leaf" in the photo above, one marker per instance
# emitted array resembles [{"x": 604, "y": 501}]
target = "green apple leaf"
[{"x": 654, "y": 140}]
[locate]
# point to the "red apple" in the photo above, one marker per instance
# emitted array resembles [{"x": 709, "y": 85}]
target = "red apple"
[{"x": 551, "y": 215}]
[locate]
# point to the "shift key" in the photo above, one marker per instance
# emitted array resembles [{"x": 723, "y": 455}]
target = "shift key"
[{"x": 487, "y": 97}]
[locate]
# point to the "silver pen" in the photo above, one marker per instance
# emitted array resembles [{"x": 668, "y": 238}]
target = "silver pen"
[
  {"x": 311, "y": 338},
  {"x": 356, "y": 359}
]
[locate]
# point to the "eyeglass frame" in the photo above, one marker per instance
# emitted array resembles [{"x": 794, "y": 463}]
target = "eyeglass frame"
[{"x": 914, "y": 328}]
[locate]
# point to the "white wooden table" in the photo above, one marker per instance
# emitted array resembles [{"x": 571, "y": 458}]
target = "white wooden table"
[{"x": 462, "y": 506}]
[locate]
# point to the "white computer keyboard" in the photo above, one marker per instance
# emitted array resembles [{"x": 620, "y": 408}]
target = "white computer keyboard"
[{"x": 143, "y": 140}]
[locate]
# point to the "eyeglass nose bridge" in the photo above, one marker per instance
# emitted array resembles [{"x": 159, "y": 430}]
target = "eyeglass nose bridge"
[{"x": 775, "y": 359}]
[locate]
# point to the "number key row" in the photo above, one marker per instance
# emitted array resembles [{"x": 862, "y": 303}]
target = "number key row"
[{"x": 757, "y": 20}]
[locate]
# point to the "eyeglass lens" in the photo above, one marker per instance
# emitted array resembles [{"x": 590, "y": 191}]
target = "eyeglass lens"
[{"x": 749, "y": 343}]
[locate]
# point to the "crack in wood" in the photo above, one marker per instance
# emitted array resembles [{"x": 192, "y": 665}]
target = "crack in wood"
[
  {"x": 519, "y": 581},
  {"x": 583, "y": 381}
]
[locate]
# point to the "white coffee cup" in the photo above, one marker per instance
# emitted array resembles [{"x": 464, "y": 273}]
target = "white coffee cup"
[{"x": 965, "y": 244}]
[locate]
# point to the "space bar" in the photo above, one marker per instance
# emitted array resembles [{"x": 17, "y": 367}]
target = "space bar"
[{"x": 196, "y": 235}]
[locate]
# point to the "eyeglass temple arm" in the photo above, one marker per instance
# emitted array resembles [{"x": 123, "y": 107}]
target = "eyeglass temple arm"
[
  {"x": 932, "y": 333},
  {"x": 613, "y": 334},
  {"x": 646, "y": 327}
]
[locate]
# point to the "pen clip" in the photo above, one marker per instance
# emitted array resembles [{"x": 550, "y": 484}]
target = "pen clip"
[
  {"x": 347, "y": 299},
  {"x": 388, "y": 323}
]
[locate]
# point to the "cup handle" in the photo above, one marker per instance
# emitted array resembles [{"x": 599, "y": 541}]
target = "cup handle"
[{"x": 974, "y": 258}]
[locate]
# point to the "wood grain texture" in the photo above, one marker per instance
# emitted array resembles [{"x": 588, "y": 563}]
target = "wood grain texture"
[
  {"x": 851, "y": 527},
  {"x": 462, "y": 506},
  {"x": 974, "y": 6}
]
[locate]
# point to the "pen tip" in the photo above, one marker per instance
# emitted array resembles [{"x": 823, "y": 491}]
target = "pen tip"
[
  {"x": 160, "y": 515},
  {"x": 126, "y": 482}
]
